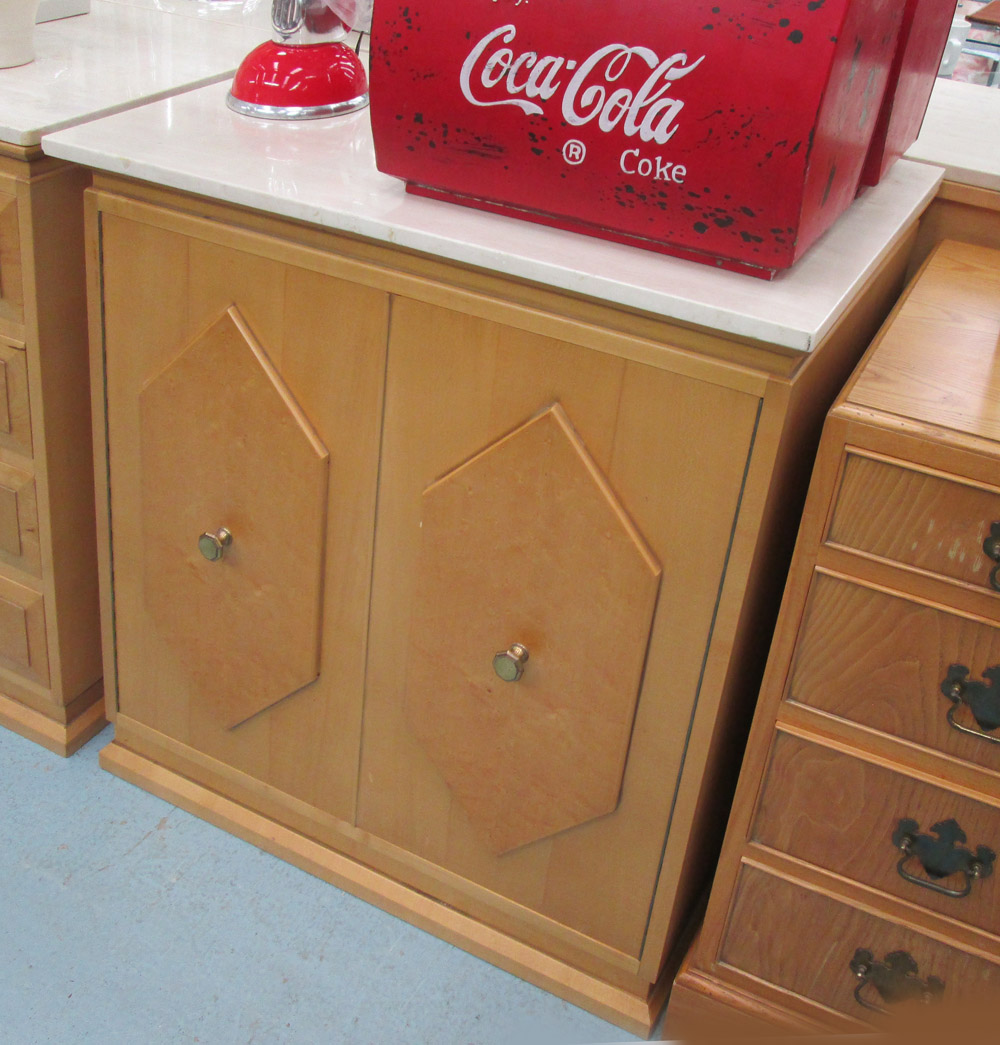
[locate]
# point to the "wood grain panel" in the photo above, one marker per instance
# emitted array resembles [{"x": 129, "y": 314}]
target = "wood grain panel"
[
  {"x": 917, "y": 518},
  {"x": 878, "y": 658},
  {"x": 637, "y": 424},
  {"x": 950, "y": 382},
  {"x": 23, "y": 645},
  {"x": 11, "y": 289},
  {"x": 518, "y": 546},
  {"x": 19, "y": 540},
  {"x": 326, "y": 339},
  {"x": 10, "y": 529},
  {"x": 705, "y": 1009},
  {"x": 15, "y": 410},
  {"x": 814, "y": 961},
  {"x": 14, "y": 633},
  {"x": 629, "y": 334},
  {"x": 245, "y": 628},
  {"x": 57, "y": 356},
  {"x": 964, "y": 213},
  {"x": 4, "y": 400},
  {"x": 840, "y": 813}
]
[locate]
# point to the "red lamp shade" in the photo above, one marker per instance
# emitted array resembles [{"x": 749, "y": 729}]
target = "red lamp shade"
[{"x": 278, "y": 81}]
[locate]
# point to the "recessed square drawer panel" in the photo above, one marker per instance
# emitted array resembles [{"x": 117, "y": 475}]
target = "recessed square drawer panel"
[
  {"x": 901, "y": 666},
  {"x": 843, "y": 957},
  {"x": 11, "y": 295},
  {"x": 15, "y": 416},
  {"x": 907, "y": 838},
  {"x": 919, "y": 519},
  {"x": 23, "y": 646},
  {"x": 19, "y": 520}
]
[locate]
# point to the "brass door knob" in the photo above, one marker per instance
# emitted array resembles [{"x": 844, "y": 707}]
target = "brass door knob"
[
  {"x": 509, "y": 663},
  {"x": 213, "y": 545}
]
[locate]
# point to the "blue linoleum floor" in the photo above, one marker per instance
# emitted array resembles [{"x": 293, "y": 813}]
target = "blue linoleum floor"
[{"x": 126, "y": 920}]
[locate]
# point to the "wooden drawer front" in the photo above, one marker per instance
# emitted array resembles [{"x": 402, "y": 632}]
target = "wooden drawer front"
[
  {"x": 882, "y": 660},
  {"x": 851, "y": 817},
  {"x": 15, "y": 416},
  {"x": 19, "y": 520},
  {"x": 23, "y": 646},
  {"x": 916, "y": 518},
  {"x": 11, "y": 295},
  {"x": 815, "y": 963}
]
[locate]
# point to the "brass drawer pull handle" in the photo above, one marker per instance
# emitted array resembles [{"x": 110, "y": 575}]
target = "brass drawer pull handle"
[
  {"x": 941, "y": 857},
  {"x": 982, "y": 698},
  {"x": 894, "y": 979},
  {"x": 213, "y": 545},
  {"x": 509, "y": 663},
  {"x": 991, "y": 549}
]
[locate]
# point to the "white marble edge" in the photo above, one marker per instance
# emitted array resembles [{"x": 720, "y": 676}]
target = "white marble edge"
[
  {"x": 961, "y": 133},
  {"x": 115, "y": 57},
  {"x": 323, "y": 172}
]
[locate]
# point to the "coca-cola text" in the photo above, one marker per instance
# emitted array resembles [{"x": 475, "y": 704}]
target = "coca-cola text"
[{"x": 589, "y": 94}]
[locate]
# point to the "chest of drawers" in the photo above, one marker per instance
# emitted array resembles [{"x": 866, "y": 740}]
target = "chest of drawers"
[
  {"x": 859, "y": 864},
  {"x": 50, "y": 646}
]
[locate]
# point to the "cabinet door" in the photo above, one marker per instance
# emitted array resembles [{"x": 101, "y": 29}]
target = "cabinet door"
[
  {"x": 538, "y": 497},
  {"x": 243, "y": 403}
]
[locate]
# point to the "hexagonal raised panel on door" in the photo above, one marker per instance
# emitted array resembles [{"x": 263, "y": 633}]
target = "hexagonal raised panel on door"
[
  {"x": 225, "y": 447},
  {"x": 527, "y": 545}
]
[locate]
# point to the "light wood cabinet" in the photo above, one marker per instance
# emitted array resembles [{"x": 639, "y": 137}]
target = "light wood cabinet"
[
  {"x": 868, "y": 807},
  {"x": 487, "y": 628},
  {"x": 50, "y": 644}
]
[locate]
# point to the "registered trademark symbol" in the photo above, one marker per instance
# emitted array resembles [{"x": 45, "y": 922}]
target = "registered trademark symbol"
[{"x": 574, "y": 152}]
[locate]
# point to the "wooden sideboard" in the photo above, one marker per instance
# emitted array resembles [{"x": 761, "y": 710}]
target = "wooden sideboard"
[
  {"x": 444, "y": 586},
  {"x": 50, "y": 645},
  {"x": 858, "y": 867}
]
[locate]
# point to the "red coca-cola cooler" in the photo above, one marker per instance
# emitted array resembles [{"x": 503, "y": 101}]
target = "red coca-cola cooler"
[{"x": 729, "y": 133}]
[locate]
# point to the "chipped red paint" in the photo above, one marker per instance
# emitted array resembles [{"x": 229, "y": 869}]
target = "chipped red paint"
[
  {"x": 729, "y": 133},
  {"x": 922, "y": 39}
]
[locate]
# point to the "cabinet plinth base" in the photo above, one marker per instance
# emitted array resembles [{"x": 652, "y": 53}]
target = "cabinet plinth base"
[
  {"x": 62, "y": 738},
  {"x": 702, "y": 1006},
  {"x": 636, "y": 1014}
]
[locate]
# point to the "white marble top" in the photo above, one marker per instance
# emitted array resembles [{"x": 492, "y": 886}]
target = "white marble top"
[
  {"x": 255, "y": 13},
  {"x": 118, "y": 55},
  {"x": 961, "y": 133},
  {"x": 323, "y": 172}
]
